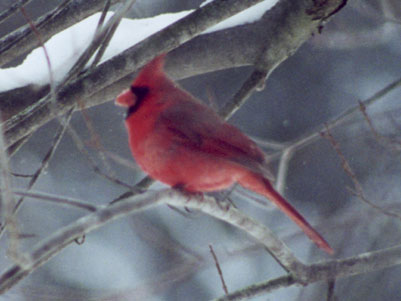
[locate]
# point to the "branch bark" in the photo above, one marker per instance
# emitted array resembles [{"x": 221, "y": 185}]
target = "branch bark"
[{"x": 67, "y": 14}]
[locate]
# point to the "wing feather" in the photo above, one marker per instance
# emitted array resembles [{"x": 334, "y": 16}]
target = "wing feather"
[{"x": 199, "y": 128}]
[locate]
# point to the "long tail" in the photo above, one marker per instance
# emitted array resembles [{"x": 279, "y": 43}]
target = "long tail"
[{"x": 263, "y": 187}]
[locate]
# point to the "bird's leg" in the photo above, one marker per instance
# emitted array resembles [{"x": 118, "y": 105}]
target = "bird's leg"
[{"x": 189, "y": 194}]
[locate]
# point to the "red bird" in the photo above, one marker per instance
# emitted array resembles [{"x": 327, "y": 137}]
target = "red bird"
[{"x": 181, "y": 142}]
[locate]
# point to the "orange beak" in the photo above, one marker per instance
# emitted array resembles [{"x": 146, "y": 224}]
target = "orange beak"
[{"x": 125, "y": 99}]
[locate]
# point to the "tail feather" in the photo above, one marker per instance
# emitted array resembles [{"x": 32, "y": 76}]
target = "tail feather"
[{"x": 263, "y": 187}]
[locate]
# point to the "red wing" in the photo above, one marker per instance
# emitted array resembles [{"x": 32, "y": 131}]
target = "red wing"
[{"x": 199, "y": 128}]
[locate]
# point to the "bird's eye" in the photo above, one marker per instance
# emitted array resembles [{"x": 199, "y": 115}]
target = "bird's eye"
[{"x": 140, "y": 92}]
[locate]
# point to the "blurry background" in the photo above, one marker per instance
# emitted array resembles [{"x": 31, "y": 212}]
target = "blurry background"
[{"x": 162, "y": 255}]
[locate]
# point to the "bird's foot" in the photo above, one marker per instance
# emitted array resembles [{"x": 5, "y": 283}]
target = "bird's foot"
[{"x": 188, "y": 194}]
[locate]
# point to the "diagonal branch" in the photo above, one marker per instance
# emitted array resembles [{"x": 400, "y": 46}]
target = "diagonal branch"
[
  {"x": 4, "y": 15},
  {"x": 325, "y": 271},
  {"x": 65, "y": 15},
  {"x": 45, "y": 162},
  {"x": 101, "y": 35},
  {"x": 340, "y": 119},
  {"x": 52, "y": 245}
]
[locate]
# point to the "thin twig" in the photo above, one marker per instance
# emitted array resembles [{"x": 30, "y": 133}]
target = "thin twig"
[
  {"x": 52, "y": 93},
  {"x": 14, "y": 148},
  {"x": 20, "y": 175},
  {"x": 260, "y": 288},
  {"x": 265, "y": 65},
  {"x": 95, "y": 140},
  {"x": 340, "y": 119},
  {"x": 121, "y": 160},
  {"x": 101, "y": 36},
  {"x": 12, "y": 9},
  {"x": 155, "y": 235},
  {"x": 10, "y": 41},
  {"x": 305, "y": 140},
  {"x": 269, "y": 144},
  {"x": 42, "y": 44},
  {"x": 103, "y": 15},
  {"x": 142, "y": 186},
  {"x": 6, "y": 196},
  {"x": 283, "y": 169},
  {"x": 45, "y": 162},
  {"x": 253, "y": 81},
  {"x": 314, "y": 135},
  {"x": 116, "y": 18},
  {"x": 57, "y": 199},
  {"x": 51, "y": 98},
  {"x": 52, "y": 150},
  {"x": 358, "y": 190},
  {"x": 257, "y": 200},
  {"x": 392, "y": 143},
  {"x": 216, "y": 261},
  {"x": 325, "y": 271},
  {"x": 82, "y": 149},
  {"x": 103, "y": 46},
  {"x": 63, "y": 16},
  {"x": 106, "y": 40},
  {"x": 7, "y": 204},
  {"x": 330, "y": 290}
]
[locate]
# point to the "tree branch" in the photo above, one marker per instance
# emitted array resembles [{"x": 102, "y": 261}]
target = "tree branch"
[
  {"x": 340, "y": 119},
  {"x": 52, "y": 245},
  {"x": 67, "y": 14},
  {"x": 325, "y": 271},
  {"x": 4, "y": 15}
]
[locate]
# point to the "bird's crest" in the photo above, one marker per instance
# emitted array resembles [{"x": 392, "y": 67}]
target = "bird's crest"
[{"x": 151, "y": 72}]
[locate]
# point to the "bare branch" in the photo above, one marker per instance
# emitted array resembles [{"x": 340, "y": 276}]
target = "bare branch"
[
  {"x": 283, "y": 169},
  {"x": 57, "y": 199},
  {"x": 259, "y": 289},
  {"x": 7, "y": 204},
  {"x": 52, "y": 245},
  {"x": 82, "y": 149},
  {"x": 216, "y": 261},
  {"x": 101, "y": 35},
  {"x": 62, "y": 17},
  {"x": 255, "y": 79},
  {"x": 345, "y": 116},
  {"x": 107, "y": 40},
  {"x": 45, "y": 162},
  {"x": 42, "y": 44},
  {"x": 143, "y": 185},
  {"x": 326, "y": 271},
  {"x": 13, "y": 8},
  {"x": 330, "y": 290},
  {"x": 394, "y": 144},
  {"x": 357, "y": 185}
]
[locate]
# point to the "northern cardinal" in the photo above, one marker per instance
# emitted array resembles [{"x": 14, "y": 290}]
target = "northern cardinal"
[{"x": 183, "y": 143}]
